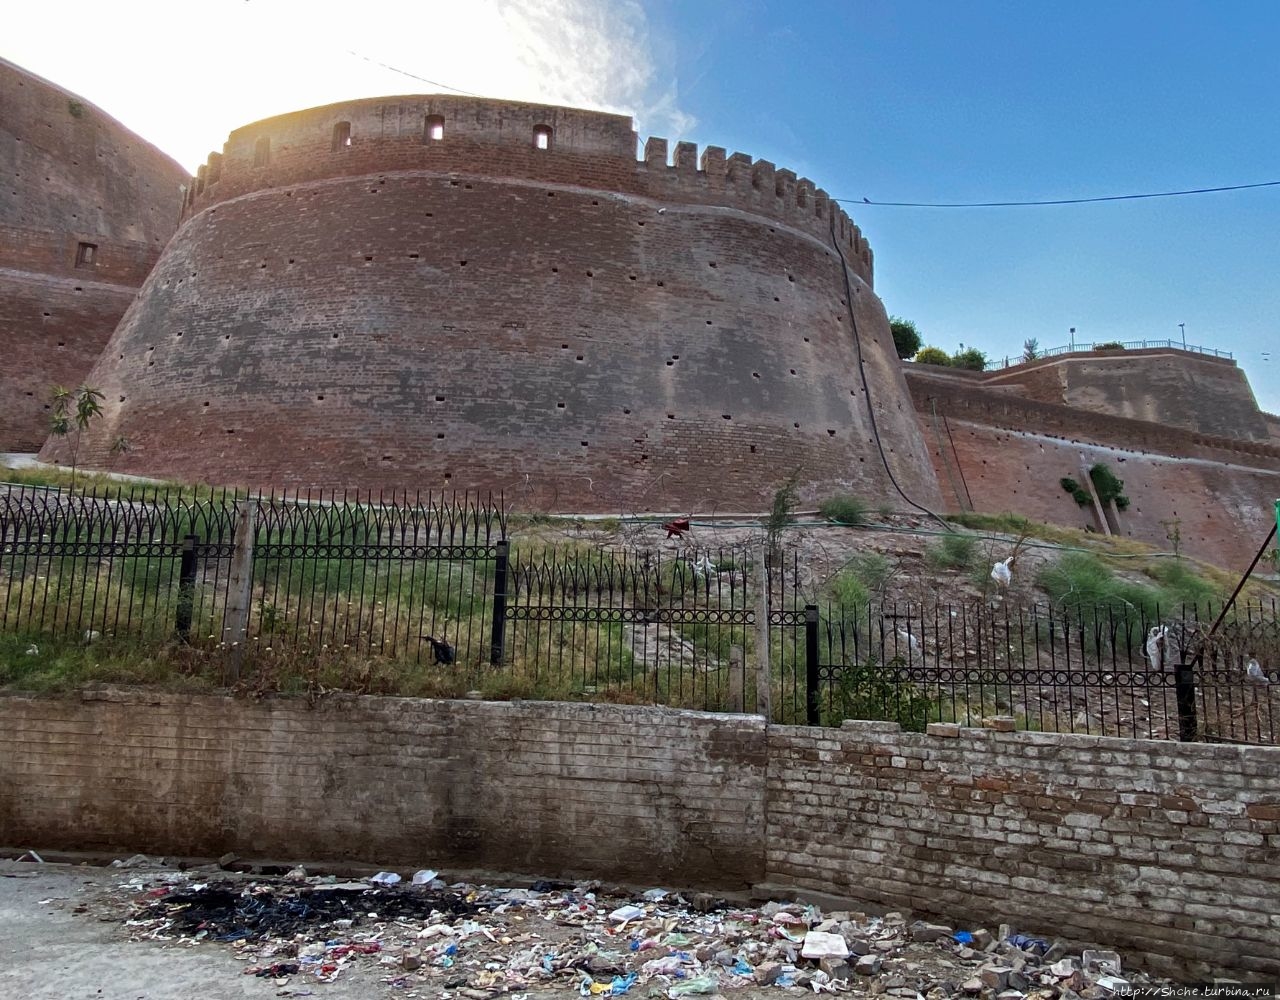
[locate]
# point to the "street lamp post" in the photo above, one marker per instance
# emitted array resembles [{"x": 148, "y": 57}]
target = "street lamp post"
[{"x": 1183, "y": 328}]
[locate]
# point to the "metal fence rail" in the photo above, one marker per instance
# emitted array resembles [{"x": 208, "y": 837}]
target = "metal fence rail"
[
  {"x": 431, "y": 583},
  {"x": 389, "y": 575},
  {"x": 1096, "y": 669},
  {"x": 1128, "y": 345}
]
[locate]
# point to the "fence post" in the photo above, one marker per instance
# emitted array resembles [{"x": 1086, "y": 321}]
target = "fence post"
[
  {"x": 497, "y": 635},
  {"x": 737, "y": 679},
  {"x": 764, "y": 684},
  {"x": 240, "y": 586},
  {"x": 186, "y": 587},
  {"x": 1184, "y": 690},
  {"x": 813, "y": 700}
]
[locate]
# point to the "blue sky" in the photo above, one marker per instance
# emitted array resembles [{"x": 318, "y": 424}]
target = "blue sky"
[
  {"x": 954, "y": 102},
  {"x": 910, "y": 100}
]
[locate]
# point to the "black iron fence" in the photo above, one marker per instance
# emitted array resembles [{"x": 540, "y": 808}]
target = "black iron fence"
[
  {"x": 404, "y": 576},
  {"x": 1109, "y": 670},
  {"x": 434, "y": 584}
]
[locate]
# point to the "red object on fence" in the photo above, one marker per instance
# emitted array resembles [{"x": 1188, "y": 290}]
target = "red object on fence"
[{"x": 677, "y": 527}]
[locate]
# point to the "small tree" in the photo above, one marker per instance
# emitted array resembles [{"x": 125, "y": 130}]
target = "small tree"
[
  {"x": 932, "y": 356},
  {"x": 1030, "y": 349},
  {"x": 1110, "y": 488},
  {"x": 972, "y": 359},
  {"x": 906, "y": 338},
  {"x": 785, "y": 499},
  {"x": 72, "y": 414}
]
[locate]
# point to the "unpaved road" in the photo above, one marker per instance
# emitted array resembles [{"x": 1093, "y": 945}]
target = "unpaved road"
[{"x": 50, "y": 952}]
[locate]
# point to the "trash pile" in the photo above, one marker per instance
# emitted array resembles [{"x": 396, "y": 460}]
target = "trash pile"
[{"x": 476, "y": 942}]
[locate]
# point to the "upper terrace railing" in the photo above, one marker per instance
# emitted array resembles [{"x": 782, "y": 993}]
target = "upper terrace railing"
[{"x": 1128, "y": 345}]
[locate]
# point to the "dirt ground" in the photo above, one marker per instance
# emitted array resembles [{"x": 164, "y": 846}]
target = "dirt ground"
[
  {"x": 147, "y": 931},
  {"x": 48, "y": 951}
]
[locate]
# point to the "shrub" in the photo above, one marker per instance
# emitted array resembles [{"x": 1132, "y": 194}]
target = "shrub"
[
  {"x": 845, "y": 509},
  {"x": 952, "y": 552},
  {"x": 849, "y": 591},
  {"x": 1109, "y": 487},
  {"x": 932, "y": 356},
  {"x": 1078, "y": 493},
  {"x": 872, "y": 568},
  {"x": 1110, "y": 345},
  {"x": 970, "y": 358},
  {"x": 871, "y": 691}
]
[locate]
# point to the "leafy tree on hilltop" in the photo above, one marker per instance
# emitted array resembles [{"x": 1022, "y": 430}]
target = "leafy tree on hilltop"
[
  {"x": 906, "y": 338},
  {"x": 971, "y": 358}
]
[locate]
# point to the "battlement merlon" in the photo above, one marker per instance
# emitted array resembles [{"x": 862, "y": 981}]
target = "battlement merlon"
[{"x": 541, "y": 143}]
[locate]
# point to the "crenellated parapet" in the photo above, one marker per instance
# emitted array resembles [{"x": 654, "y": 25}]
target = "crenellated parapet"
[{"x": 524, "y": 143}]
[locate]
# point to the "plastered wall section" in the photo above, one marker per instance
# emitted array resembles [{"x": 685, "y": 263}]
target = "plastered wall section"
[
  {"x": 1169, "y": 852},
  {"x": 632, "y": 793}
]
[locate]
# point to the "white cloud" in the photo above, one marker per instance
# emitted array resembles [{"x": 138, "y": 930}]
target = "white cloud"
[{"x": 184, "y": 75}]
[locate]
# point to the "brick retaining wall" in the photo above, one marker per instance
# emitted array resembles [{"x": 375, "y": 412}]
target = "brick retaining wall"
[{"x": 1166, "y": 851}]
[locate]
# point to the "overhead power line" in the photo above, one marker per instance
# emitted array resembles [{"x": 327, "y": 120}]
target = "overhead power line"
[
  {"x": 413, "y": 76},
  {"x": 1054, "y": 201}
]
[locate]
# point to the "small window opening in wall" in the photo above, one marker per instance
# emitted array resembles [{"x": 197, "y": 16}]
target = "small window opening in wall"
[
  {"x": 85, "y": 254},
  {"x": 542, "y": 136},
  {"x": 262, "y": 152},
  {"x": 341, "y": 136},
  {"x": 434, "y": 129}
]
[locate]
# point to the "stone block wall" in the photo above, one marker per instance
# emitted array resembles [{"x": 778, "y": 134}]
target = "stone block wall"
[{"x": 1170, "y": 852}]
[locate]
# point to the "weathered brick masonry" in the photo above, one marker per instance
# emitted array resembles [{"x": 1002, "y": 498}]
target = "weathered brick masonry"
[
  {"x": 1006, "y": 443},
  {"x": 351, "y": 302},
  {"x": 634, "y": 793},
  {"x": 85, "y": 208},
  {"x": 1170, "y": 852}
]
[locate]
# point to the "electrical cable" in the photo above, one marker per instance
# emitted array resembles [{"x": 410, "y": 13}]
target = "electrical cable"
[
  {"x": 412, "y": 76},
  {"x": 1054, "y": 201},
  {"x": 866, "y": 387}
]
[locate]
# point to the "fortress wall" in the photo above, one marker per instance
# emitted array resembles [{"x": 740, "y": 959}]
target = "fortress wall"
[
  {"x": 1009, "y": 455},
  {"x": 581, "y": 349},
  {"x": 1225, "y": 509},
  {"x": 1000, "y": 409},
  {"x": 56, "y": 318},
  {"x": 73, "y": 176},
  {"x": 1173, "y": 388},
  {"x": 483, "y": 138},
  {"x": 46, "y": 253},
  {"x": 1273, "y": 427}
]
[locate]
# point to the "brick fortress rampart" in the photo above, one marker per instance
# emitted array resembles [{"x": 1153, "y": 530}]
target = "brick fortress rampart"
[
  {"x": 85, "y": 208},
  {"x": 440, "y": 291}
]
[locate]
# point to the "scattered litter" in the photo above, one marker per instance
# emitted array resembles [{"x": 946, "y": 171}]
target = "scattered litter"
[
  {"x": 477, "y": 942},
  {"x": 33, "y": 856}
]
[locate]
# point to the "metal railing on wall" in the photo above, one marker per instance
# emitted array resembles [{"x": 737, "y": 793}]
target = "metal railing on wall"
[{"x": 1127, "y": 345}]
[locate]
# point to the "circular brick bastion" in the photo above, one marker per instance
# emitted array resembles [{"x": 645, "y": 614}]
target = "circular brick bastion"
[{"x": 426, "y": 292}]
